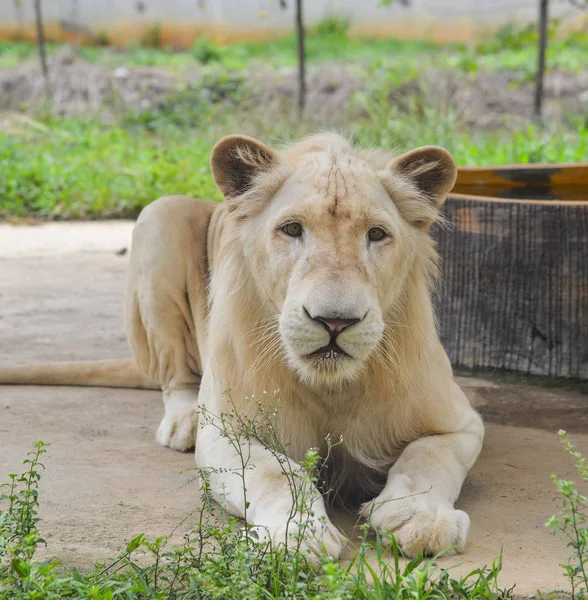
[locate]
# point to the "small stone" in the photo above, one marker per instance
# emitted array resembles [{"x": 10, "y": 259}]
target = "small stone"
[{"x": 121, "y": 72}]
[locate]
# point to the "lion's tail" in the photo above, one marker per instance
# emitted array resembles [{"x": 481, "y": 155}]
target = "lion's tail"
[{"x": 118, "y": 373}]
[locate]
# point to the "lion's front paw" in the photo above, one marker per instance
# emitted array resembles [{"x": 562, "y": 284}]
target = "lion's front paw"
[
  {"x": 177, "y": 429},
  {"x": 423, "y": 523},
  {"x": 315, "y": 537}
]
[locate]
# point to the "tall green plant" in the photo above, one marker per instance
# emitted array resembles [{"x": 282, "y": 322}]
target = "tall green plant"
[
  {"x": 571, "y": 522},
  {"x": 221, "y": 557}
]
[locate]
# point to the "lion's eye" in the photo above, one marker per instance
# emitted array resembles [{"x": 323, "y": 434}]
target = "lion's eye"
[
  {"x": 292, "y": 229},
  {"x": 375, "y": 234}
]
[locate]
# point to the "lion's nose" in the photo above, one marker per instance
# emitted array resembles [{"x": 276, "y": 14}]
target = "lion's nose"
[{"x": 334, "y": 325}]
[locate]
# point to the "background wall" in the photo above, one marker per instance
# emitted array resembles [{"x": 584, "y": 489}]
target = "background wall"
[{"x": 181, "y": 21}]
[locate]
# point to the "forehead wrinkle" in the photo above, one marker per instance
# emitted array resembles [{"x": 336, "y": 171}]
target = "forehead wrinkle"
[
  {"x": 338, "y": 177},
  {"x": 323, "y": 175},
  {"x": 336, "y": 180}
]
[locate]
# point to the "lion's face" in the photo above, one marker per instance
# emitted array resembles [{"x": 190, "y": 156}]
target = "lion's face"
[{"x": 330, "y": 251}]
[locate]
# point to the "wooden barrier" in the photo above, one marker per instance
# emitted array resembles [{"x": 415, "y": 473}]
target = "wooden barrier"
[
  {"x": 516, "y": 182},
  {"x": 514, "y": 291}
]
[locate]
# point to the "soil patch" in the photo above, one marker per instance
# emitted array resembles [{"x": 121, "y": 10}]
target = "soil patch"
[{"x": 486, "y": 99}]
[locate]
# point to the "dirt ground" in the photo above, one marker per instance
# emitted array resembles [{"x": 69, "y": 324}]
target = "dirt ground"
[
  {"x": 106, "y": 479},
  {"x": 488, "y": 100}
]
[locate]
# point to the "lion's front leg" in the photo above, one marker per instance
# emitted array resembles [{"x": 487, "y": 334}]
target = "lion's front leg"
[
  {"x": 264, "y": 487},
  {"x": 416, "y": 505}
]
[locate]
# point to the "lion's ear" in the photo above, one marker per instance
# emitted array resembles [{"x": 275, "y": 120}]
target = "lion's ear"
[
  {"x": 236, "y": 160},
  {"x": 431, "y": 168},
  {"x": 432, "y": 171}
]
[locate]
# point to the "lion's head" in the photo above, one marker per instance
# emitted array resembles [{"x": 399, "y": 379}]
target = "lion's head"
[{"x": 331, "y": 235}]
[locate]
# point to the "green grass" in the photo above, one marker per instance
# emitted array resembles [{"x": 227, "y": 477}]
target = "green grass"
[
  {"x": 241, "y": 55},
  {"x": 220, "y": 558},
  {"x": 14, "y": 53},
  {"x": 515, "y": 49},
  {"x": 81, "y": 169},
  {"x": 217, "y": 560},
  {"x": 510, "y": 48},
  {"x": 73, "y": 168}
]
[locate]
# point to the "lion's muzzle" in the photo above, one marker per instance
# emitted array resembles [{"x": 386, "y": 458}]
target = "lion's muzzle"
[{"x": 333, "y": 325}]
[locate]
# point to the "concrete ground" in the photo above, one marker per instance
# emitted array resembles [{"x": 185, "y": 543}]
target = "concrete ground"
[{"x": 106, "y": 479}]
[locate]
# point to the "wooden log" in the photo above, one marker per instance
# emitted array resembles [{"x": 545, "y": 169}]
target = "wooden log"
[
  {"x": 514, "y": 292},
  {"x": 541, "y": 182}
]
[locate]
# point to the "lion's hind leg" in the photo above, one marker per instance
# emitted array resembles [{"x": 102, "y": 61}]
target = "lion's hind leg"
[{"x": 166, "y": 308}]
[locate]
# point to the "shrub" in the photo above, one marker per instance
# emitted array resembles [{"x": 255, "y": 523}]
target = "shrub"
[
  {"x": 571, "y": 522},
  {"x": 219, "y": 558}
]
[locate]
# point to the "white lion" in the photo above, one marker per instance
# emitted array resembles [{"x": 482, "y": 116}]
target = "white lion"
[{"x": 312, "y": 278}]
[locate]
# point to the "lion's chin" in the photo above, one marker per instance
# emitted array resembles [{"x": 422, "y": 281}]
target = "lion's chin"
[{"x": 330, "y": 369}]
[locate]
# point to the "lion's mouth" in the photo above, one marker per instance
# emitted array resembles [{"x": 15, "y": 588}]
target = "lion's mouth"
[{"x": 330, "y": 351}]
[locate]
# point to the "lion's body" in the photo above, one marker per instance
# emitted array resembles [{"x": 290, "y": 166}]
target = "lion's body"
[
  {"x": 202, "y": 307},
  {"x": 178, "y": 244}
]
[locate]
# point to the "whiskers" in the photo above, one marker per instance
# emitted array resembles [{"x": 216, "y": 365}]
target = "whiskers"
[
  {"x": 264, "y": 338},
  {"x": 264, "y": 348},
  {"x": 262, "y": 329},
  {"x": 398, "y": 352},
  {"x": 386, "y": 354}
]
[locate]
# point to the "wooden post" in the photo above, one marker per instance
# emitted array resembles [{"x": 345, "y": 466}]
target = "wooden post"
[
  {"x": 301, "y": 58},
  {"x": 542, "y": 47},
  {"x": 41, "y": 44}
]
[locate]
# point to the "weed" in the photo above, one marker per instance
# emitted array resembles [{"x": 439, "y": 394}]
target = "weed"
[
  {"x": 219, "y": 558},
  {"x": 60, "y": 168},
  {"x": 204, "y": 51},
  {"x": 102, "y": 38},
  {"x": 516, "y": 37},
  {"x": 511, "y": 48},
  {"x": 571, "y": 522},
  {"x": 151, "y": 36},
  {"x": 332, "y": 26},
  {"x": 19, "y": 536},
  {"x": 105, "y": 172},
  {"x": 71, "y": 169},
  {"x": 515, "y": 48}
]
